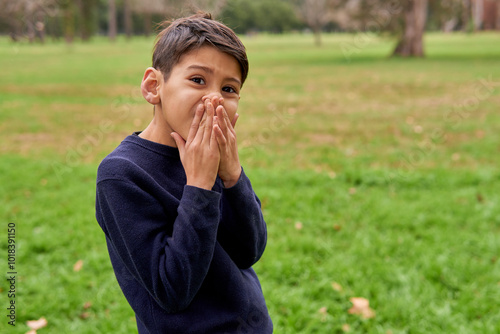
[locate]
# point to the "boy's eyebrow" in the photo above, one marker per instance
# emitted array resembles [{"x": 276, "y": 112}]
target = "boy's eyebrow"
[{"x": 211, "y": 71}]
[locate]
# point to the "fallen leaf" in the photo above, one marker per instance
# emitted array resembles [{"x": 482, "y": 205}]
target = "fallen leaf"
[
  {"x": 352, "y": 191},
  {"x": 37, "y": 324},
  {"x": 298, "y": 226},
  {"x": 84, "y": 315},
  {"x": 480, "y": 198},
  {"x": 78, "y": 265},
  {"x": 87, "y": 305},
  {"x": 361, "y": 306},
  {"x": 337, "y": 287},
  {"x": 337, "y": 227},
  {"x": 346, "y": 328},
  {"x": 323, "y": 311}
]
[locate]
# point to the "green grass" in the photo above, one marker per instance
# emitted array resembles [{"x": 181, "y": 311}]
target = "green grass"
[{"x": 389, "y": 165}]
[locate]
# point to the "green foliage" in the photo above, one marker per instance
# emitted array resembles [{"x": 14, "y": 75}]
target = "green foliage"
[{"x": 245, "y": 16}]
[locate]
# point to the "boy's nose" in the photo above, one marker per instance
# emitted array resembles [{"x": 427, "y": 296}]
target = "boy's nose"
[{"x": 211, "y": 96}]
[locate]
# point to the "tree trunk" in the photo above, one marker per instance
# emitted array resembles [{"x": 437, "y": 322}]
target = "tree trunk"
[
  {"x": 112, "y": 29},
  {"x": 411, "y": 43},
  {"x": 317, "y": 36},
  {"x": 478, "y": 13},
  {"x": 490, "y": 15},
  {"x": 40, "y": 26},
  {"x": 28, "y": 20},
  {"x": 466, "y": 15},
  {"x": 127, "y": 18},
  {"x": 87, "y": 19},
  {"x": 147, "y": 24},
  {"x": 69, "y": 21}
]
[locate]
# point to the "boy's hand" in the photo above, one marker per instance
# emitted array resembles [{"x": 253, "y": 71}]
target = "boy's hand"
[
  {"x": 229, "y": 168},
  {"x": 200, "y": 152}
]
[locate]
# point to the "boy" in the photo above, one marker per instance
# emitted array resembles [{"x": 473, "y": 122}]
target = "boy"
[{"x": 182, "y": 223}]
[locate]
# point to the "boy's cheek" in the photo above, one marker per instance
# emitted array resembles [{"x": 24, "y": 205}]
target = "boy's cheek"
[{"x": 231, "y": 108}]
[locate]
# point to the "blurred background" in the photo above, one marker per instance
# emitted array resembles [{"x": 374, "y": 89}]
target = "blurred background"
[
  {"x": 38, "y": 20},
  {"x": 369, "y": 130}
]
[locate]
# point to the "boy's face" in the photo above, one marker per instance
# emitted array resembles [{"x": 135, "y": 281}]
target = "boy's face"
[{"x": 201, "y": 73}]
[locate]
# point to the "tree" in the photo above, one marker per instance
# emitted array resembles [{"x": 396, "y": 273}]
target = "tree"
[
  {"x": 87, "y": 8},
  {"x": 112, "y": 26},
  {"x": 155, "y": 9},
  {"x": 127, "y": 18},
  {"x": 491, "y": 15},
  {"x": 477, "y": 13},
  {"x": 248, "y": 16},
  {"x": 26, "y": 18},
  {"x": 449, "y": 15},
  {"x": 241, "y": 15},
  {"x": 69, "y": 15},
  {"x": 411, "y": 40},
  {"x": 214, "y": 7},
  {"x": 405, "y": 19},
  {"x": 316, "y": 14}
]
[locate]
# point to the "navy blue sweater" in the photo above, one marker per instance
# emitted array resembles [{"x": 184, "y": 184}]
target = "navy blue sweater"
[{"x": 182, "y": 255}]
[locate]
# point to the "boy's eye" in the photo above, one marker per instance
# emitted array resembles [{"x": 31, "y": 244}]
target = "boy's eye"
[
  {"x": 199, "y": 81},
  {"x": 229, "y": 89}
]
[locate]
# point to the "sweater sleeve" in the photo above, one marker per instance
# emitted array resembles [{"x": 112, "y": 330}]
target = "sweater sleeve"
[
  {"x": 242, "y": 231},
  {"x": 170, "y": 264}
]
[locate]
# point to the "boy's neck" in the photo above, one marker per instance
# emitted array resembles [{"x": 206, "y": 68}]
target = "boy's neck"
[{"x": 158, "y": 133}]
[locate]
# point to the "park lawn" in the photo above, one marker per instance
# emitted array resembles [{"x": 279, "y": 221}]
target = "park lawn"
[{"x": 378, "y": 178}]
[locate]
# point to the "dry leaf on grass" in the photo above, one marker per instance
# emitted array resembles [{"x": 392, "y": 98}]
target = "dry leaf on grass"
[
  {"x": 85, "y": 315},
  {"x": 346, "y": 328},
  {"x": 36, "y": 324},
  {"x": 361, "y": 306},
  {"x": 78, "y": 265},
  {"x": 337, "y": 287},
  {"x": 324, "y": 312}
]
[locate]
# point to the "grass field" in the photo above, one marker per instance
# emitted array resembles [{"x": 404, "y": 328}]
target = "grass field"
[{"x": 379, "y": 179}]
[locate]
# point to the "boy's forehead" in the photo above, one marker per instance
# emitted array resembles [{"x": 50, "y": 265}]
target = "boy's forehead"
[{"x": 209, "y": 58}]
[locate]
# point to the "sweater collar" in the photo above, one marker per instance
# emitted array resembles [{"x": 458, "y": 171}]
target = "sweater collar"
[{"x": 165, "y": 150}]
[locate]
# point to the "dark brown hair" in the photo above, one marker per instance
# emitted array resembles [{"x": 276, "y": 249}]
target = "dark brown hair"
[{"x": 190, "y": 33}]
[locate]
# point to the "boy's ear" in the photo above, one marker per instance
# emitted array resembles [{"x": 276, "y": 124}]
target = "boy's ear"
[{"x": 150, "y": 86}]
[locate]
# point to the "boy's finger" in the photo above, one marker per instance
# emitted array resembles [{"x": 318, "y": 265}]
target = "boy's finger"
[
  {"x": 226, "y": 119},
  {"x": 235, "y": 118},
  {"x": 221, "y": 119},
  {"x": 228, "y": 124},
  {"x": 214, "y": 136},
  {"x": 209, "y": 121},
  {"x": 181, "y": 144},
  {"x": 196, "y": 123},
  {"x": 221, "y": 140},
  {"x": 216, "y": 101}
]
